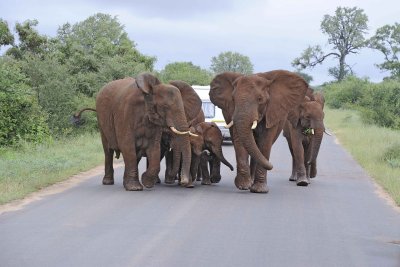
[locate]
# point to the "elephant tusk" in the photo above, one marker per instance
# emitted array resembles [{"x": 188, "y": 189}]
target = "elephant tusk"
[
  {"x": 192, "y": 134},
  {"x": 178, "y": 132},
  {"x": 312, "y": 131},
  {"x": 254, "y": 125},
  {"x": 328, "y": 133},
  {"x": 229, "y": 125}
]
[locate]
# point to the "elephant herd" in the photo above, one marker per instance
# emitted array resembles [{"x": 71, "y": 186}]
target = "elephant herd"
[{"x": 142, "y": 117}]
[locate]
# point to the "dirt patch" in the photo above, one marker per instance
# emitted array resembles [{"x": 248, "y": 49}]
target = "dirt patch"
[
  {"x": 385, "y": 196},
  {"x": 55, "y": 188}
]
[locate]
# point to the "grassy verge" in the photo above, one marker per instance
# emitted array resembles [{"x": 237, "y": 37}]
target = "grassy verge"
[
  {"x": 376, "y": 149},
  {"x": 32, "y": 167}
]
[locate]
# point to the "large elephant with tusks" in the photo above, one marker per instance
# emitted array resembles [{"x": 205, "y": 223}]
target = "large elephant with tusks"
[{"x": 132, "y": 114}]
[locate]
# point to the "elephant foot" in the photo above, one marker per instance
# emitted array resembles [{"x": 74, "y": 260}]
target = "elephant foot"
[
  {"x": 259, "y": 187},
  {"x": 198, "y": 178},
  {"x": 107, "y": 180},
  {"x": 313, "y": 171},
  {"x": 184, "y": 181},
  {"x": 293, "y": 178},
  {"x": 243, "y": 183},
  {"x": 169, "y": 180},
  {"x": 190, "y": 185},
  {"x": 303, "y": 181},
  {"x": 148, "y": 180},
  {"x": 132, "y": 185},
  {"x": 206, "y": 182},
  {"x": 215, "y": 179}
]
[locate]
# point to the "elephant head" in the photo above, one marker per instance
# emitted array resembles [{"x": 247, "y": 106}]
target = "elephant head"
[
  {"x": 248, "y": 100},
  {"x": 167, "y": 106}
]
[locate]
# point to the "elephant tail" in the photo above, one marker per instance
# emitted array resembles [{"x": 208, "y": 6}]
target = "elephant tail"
[{"x": 76, "y": 118}]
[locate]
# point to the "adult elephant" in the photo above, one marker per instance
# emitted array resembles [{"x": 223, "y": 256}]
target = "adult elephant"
[
  {"x": 132, "y": 113},
  {"x": 303, "y": 131},
  {"x": 257, "y": 106},
  {"x": 207, "y": 151},
  {"x": 170, "y": 143}
]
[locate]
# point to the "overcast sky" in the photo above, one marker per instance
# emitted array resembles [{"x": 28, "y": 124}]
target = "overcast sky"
[{"x": 270, "y": 33}]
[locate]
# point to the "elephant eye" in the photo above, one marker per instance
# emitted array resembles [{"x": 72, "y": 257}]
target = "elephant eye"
[{"x": 259, "y": 99}]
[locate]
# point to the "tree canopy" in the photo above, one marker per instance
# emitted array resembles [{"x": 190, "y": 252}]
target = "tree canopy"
[
  {"x": 231, "y": 61},
  {"x": 186, "y": 71},
  {"x": 346, "y": 33},
  {"x": 387, "y": 41}
]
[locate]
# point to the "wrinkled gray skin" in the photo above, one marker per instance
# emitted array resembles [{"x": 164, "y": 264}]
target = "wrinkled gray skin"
[
  {"x": 207, "y": 151},
  {"x": 132, "y": 114},
  {"x": 303, "y": 144},
  {"x": 266, "y": 98}
]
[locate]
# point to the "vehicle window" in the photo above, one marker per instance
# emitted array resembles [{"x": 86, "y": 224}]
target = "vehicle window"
[{"x": 208, "y": 109}]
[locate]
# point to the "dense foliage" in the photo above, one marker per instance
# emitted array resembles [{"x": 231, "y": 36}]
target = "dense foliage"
[
  {"x": 44, "y": 80},
  {"x": 186, "y": 71},
  {"x": 378, "y": 103},
  {"x": 231, "y": 61}
]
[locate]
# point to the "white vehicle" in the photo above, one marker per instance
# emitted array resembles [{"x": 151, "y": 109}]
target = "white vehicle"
[{"x": 212, "y": 113}]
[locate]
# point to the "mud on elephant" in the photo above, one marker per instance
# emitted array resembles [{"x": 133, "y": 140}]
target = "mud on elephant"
[
  {"x": 132, "y": 114},
  {"x": 255, "y": 107},
  {"x": 303, "y": 131}
]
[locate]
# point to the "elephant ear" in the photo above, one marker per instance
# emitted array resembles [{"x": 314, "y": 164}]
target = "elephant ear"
[
  {"x": 221, "y": 89},
  {"x": 319, "y": 97},
  {"x": 286, "y": 92},
  {"x": 146, "y": 81},
  {"x": 191, "y": 100}
]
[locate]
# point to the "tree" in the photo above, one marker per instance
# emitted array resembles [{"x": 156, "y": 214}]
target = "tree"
[
  {"x": 6, "y": 37},
  {"x": 231, "y": 61},
  {"x": 345, "y": 30},
  {"x": 98, "y": 50},
  {"x": 387, "y": 41},
  {"x": 186, "y": 71},
  {"x": 30, "y": 41}
]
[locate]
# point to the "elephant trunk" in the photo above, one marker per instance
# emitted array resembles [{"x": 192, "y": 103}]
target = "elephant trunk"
[
  {"x": 315, "y": 144},
  {"x": 246, "y": 137},
  {"x": 218, "y": 153}
]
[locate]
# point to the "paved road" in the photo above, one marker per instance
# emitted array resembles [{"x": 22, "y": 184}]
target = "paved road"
[{"x": 337, "y": 221}]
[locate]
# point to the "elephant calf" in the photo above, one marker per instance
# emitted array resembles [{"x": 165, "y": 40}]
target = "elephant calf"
[
  {"x": 207, "y": 150},
  {"x": 304, "y": 130}
]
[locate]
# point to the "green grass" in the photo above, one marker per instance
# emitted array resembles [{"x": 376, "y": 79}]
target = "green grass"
[
  {"x": 32, "y": 167},
  {"x": 376, "y": 149}
]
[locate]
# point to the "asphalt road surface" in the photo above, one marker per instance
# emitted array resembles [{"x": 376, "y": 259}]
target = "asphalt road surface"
[{"x": 339, "y": 220}]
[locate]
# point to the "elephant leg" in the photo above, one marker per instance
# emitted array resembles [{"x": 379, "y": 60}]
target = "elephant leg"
[
  {"x": 260, "y": 175},
  {"x": 293, "y": 176},
  {"x": 204, "y": 169},
  {"x": 131, "y": 173},
  {"x": 150, "y": 176},
  {"x": 313, "y": 169},
  {"x": 298, "y": 152},
  {"x": 108, "y": 178},
  {"x": 194, "y": 168},
  {"x": 243, "y": 179},
  {"x": 169, "y": 179},
  {"x": 199, "y": 174},
  {"x": 215, "y": 167}
]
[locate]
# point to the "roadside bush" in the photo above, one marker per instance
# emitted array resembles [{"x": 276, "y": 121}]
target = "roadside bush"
[
  {"x": 392, "y": 156},
  {"x": 345, "y": 94},
  {"x": 20, "y": 115}
]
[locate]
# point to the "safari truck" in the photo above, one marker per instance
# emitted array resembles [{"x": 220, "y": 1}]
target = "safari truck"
[{"x": 212, "y": 113}]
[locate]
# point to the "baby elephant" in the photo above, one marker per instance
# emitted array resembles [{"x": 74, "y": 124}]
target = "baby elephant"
[{"x": 207, "y": 150}]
